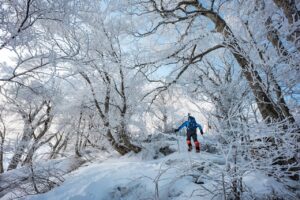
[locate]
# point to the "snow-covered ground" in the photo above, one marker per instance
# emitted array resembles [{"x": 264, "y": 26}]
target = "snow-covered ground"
[
  {"x": 137, "y": 177},
  {"x": 151, "y": 175}
]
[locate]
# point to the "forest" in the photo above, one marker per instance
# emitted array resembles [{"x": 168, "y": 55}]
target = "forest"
[{"x": 95, "y": 90}]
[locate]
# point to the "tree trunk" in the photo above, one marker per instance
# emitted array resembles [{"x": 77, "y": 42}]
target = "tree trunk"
[
  {"x": 2, "y": 138},
  {"x": 78, "y": 132},
  {"x": 280, "y": 100},
  {"x": 34, "y": 147},
  {"x": 58, "y": 146},
  {"x": 123, "y": 111},
  {"x": 273, "y": 37},
  {"x": 267, "y": 108},
  {"x": 124, "y": 138},
  {"x": 123, "y": 146},
  {"x": 104, "y": 114},
  {"x": 289, "y": 9},
  {"x": 23, "y": 144},
  {"x": 30, "y": 153},
  {"x": 1, "y": 156},
  {"x": 37, "y": 144},
  {"x": 293, "y": 15},
  {"x": 120, "y": 148}
]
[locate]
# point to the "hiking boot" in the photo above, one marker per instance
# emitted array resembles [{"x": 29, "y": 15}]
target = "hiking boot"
[
  {"x": 197, "y": 150},
  {"x": 190, "y": 148}
]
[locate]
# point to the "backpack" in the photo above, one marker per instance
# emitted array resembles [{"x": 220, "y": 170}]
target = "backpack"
[{"x": 192, "y": 124}]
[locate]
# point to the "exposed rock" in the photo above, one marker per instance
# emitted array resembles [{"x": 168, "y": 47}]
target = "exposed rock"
[{"x": 166, "y": 150}]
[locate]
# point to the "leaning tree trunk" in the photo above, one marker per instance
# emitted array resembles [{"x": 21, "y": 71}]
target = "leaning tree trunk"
[
  {"x": 267, "y": 108},
  {"x": 273, "y": 37},
  {"x": 23, "y": 144},
  {"x": 34, "y": 147},
  {"x": 37, "y": 139},
  {"x": 293, "y": 16},
  {"x": 28, "y": 132}
]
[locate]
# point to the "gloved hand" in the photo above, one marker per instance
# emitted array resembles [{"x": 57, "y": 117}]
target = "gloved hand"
[
  {"x": 201, "y": 132},
  {"x": 176, "y": 130}
]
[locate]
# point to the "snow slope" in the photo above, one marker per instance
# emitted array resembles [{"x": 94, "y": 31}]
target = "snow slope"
[{"x": 180, "y": 175}]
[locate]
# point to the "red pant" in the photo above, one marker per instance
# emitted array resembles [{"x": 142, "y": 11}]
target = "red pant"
[{"x": 192, "y": 134}]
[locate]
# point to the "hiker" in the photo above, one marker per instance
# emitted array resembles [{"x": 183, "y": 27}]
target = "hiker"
[{"x": 191, "y": 132}]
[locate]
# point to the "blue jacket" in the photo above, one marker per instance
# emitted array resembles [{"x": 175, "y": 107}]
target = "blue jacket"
[{"x": 186, "y": 124}]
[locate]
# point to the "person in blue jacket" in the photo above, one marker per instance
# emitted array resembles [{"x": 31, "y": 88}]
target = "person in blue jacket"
[{"x": 191, "y": 132}]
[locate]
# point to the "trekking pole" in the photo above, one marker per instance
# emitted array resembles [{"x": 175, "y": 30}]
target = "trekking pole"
[
  {"x": 178, "y": 147},
  {"x": 203, "y": 141}
]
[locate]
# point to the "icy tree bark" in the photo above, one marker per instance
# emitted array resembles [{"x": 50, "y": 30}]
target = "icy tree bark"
[
  {"x": 59, "y": 144},
  {"x": 273, "y": 37},
  {"x": 27, "y": 134},
  {"x": 1, "y": 156},
  {"x": 37, "y": 138},
  {"x": 293, "y": 15},
  {"x": 2, "y": 137},
  {"x": 289, "y": 9},
  {"x": 78, "y": 132},
  {"x": 33, "y": 119},
  {"x": 104, "y": 115},
  {"x": 123, "y": 111},
  {"x": 268, "y": 110}
]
